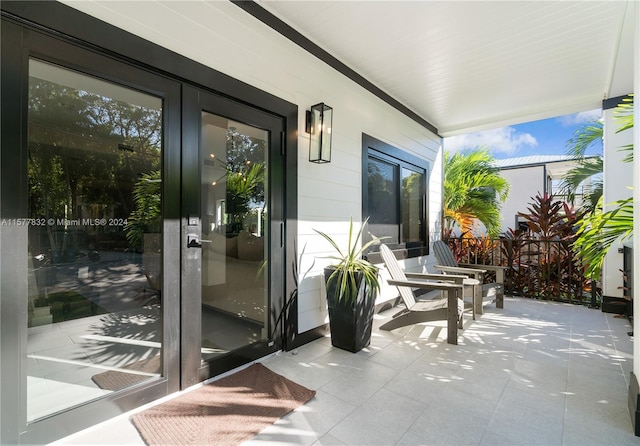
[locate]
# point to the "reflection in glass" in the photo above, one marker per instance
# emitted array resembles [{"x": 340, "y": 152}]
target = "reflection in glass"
[
  {"x": 234, "y": 235},
  {"x": 412, "y": 214},
  {"x": 383, "y": 199},
  {"x": 94, "y": 176}
]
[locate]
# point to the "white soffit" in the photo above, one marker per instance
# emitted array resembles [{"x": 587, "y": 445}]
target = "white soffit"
[{"x": 471, "y": 65}]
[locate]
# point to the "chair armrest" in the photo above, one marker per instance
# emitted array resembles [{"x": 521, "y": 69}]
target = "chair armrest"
[
  {"x": 499, "y": 270},
  {"x": 476, "y": 273},
  {"x": 485, "y": 267},
  {"x": 440, "y": 277},
  {"x": 425, "y": 284}
]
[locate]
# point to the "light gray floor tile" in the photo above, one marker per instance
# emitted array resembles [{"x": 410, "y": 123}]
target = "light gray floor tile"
[
  {"x": 305, "y": 425},
  {"x": 400, "y": 354},
  {"x": 528, "y": 428},
  {"x": 436, "y": 424},
  {"x": 313, "y": 374},
  {"x": 596, "y": 383},
  {"x": 533, "y": 373},
  {"x": 603, "y": 418},
  {"x": 411, "y": 439},
  {"x": 382, "y": 420},
  {"x": 493, "y": 439},
  {"x": 422, "y": 385},
  {"x": 578, "y": 436},
  {"x": 328, "y": 440},
  {"x": 118, "y": 431},
  {"x": 358, "y": 386}
]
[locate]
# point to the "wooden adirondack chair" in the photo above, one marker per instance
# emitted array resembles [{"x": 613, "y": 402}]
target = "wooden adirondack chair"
[
  {"x": 449, "y": 308},
  {"x": 448, "y": 265}
]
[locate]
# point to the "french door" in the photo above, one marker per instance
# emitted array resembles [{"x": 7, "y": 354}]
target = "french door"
[
  {"x": 232, "y": 232},
  {"x": 142, "y": 235}
]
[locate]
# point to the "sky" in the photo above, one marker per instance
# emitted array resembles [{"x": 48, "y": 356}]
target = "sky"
[{"x": 544, "y": 137}]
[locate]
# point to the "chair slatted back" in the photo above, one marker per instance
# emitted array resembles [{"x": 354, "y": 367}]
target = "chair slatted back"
[
  {"x": 443, "y": 254},
  {"x": 396, "y": 273}
]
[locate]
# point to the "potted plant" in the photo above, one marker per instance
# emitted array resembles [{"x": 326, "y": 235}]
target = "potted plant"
[{"x": 352, "y": 285}]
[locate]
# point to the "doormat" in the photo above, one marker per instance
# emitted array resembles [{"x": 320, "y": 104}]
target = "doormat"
[
  {"x": 226, "y": 412},
  {"x": 117, "y": 379},
  {"x": 150, "y": 368}
]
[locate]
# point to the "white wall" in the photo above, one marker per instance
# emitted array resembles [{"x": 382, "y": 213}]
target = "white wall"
[
  {"x": 524, "y": 183},
  {"x": 618, "y": 180},
  {"x": 222, "y": 36}
]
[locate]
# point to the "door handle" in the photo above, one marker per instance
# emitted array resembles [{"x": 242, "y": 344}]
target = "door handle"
[{"x": 193, "y": 241}]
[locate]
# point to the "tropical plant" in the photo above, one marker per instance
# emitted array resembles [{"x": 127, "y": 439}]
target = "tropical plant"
[
  {"x": 550, "y": 263},
  {"x": 591, "y": 167},
  {"x": 242, "y": 186},
  {"x": 350, "y": 265},
  {"x": 146, "y": 215},
  {"x": 475, "y": 250},
  {"x": 587, "y": 167},
  {"x": 473, "y": 191},
  {"x": 598, "y": 231},
  {"x": 625, "y": 117},
  {"x": 550, "y": 219}
]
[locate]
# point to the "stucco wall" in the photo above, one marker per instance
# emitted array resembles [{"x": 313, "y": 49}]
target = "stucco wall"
[
  {"x": 524, "y": 183},
  {"x": 222, "y": 36}
]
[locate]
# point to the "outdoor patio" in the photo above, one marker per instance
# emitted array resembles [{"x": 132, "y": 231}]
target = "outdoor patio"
[{"x": 533, "y": 373}]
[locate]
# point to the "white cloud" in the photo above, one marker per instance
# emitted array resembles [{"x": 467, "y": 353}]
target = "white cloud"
[
  {"x": 505, "y": 140},
  {"x": 579, "y": 118}
]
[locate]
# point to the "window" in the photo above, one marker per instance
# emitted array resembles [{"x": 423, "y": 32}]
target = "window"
[{"x": 394, "y": 186}]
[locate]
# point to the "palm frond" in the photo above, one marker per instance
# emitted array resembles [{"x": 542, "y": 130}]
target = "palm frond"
[
  {"x": 473, "y": 189},
  {"x": 584, "y": 137},
  {"x": 598, "y": 232},
  {"x": 587, "y": 168}
]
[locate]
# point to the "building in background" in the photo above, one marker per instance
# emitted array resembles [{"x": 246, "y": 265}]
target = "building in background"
[{"x": 529, "y": 176}]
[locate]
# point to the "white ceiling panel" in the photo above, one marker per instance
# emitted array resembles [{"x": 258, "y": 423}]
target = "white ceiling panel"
[{"x": 472, "y": 65}]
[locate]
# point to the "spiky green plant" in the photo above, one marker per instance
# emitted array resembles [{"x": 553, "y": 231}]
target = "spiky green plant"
[{"x": 350, "y": 264}]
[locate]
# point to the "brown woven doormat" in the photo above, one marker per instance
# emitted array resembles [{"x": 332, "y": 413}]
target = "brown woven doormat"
[
  {"x": 225, "y": 412},
  {"x": 116, "y": 380}
]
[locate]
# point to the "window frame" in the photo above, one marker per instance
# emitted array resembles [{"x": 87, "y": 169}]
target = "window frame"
[{"x": 379, "y": 150}]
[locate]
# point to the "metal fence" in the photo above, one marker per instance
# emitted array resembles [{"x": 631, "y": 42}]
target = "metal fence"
[{"x": 540, "y": 269}]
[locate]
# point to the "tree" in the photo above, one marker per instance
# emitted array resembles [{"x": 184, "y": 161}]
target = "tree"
[
  {"x": 473, "y": 191},
  {"x": 86, "y": 155}
]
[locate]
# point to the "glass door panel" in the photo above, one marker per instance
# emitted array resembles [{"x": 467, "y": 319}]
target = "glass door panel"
[
  {"x": 94, "y": 252},
  {"x": 235, "y": 235}
]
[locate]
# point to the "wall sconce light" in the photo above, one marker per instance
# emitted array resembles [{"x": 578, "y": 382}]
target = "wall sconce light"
[{"x": 318, "y": 125}]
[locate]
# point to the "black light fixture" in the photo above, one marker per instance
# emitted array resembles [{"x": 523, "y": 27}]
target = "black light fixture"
[{"x": 319, "y": 127}]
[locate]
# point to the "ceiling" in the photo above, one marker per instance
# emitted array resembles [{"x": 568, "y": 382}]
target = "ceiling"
[{"x": 466, "y": 66}]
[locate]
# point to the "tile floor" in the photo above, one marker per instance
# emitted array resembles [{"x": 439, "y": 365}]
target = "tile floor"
[{"x": 533, "y": 373}]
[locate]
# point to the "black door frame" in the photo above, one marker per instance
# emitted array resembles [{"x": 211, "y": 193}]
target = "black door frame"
[
  {"x": 194, "y": 102},
  {"x": 55, "y": 25},
  {"x": 34, "y": 44}
]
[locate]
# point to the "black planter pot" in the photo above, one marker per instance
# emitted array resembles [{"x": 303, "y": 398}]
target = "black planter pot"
[{"x": 350, "y": 322}]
